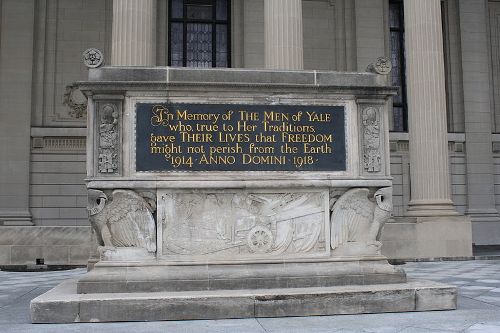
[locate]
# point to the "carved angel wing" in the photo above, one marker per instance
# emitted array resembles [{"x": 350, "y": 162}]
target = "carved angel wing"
[
  {"x": 352, "y": 211},
  {"x": 130, "y": 221}
]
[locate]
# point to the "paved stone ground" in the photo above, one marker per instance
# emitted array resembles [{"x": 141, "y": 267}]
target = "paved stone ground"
[{"x": 478, "y": 309}]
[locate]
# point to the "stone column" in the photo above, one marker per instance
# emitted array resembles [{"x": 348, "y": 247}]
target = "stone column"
[
  {"x": 429, "y": 168},
  {"x": 476, "y": 84},
  {"x": 283, "y": 35},
  {"x": 134, "y": 33}
]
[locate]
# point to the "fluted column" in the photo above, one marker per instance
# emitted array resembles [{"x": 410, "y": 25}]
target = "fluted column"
[
  {"x": 283, "y": 34},
  {"x": 134, "y": 33},
  {"x": 429, "y": 168}
]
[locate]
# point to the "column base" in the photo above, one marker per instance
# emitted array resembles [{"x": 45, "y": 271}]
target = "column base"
[
  {"x": 483, "y": 215},
  {"x": 423, "y": 208},
  {"x": 428, "y": 237},
  {"x": 485, "y": 226},
  {"x": 16, "y": 218}
]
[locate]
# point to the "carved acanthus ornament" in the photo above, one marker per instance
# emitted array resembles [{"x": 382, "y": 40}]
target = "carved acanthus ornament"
[{"x": 76, "y": 102}]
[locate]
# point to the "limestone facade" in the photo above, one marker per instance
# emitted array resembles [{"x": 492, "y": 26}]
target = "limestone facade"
[{"x": 43, "y": 123}]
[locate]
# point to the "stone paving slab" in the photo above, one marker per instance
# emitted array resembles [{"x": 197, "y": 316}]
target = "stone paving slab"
[{"x": 472, "y": 315}]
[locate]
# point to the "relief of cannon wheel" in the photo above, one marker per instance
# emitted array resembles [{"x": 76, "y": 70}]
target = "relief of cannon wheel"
[{"x": 260, "y": 239}]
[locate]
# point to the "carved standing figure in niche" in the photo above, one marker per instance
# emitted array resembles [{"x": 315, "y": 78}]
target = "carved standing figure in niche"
[
  {"x": 124, "y": 221},
  {"x": 356, "y": 221},
  {"x": 108, "y": 140},
  {"x": 371, "y": 140}
]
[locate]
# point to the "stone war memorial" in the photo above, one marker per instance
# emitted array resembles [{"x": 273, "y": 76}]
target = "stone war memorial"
[{"x": 233, "y": 193}]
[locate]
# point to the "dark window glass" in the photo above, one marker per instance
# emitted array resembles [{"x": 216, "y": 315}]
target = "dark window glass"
[
  {"x": 199, "y": 45},
  {"x": 221, "y": 49},
  {"x": 221, "y": 9},
  {"x": 176, "y": 45},
  {"x": 199, "y": 9},
  {"x": 396, "y": 22},
  {"x": 199, "y": 36},
  {"x": 177, "y": 9}
]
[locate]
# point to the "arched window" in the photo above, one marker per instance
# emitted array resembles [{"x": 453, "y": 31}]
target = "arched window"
[{"x": 199, "y": 33}]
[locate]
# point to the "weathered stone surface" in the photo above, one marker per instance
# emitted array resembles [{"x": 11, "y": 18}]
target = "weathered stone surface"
[
  {"x": 153, "y": 278},
  {"x": 65, "y": 245},
  {"x": 63, "y": 305},
  {"x": 428, "y": 299},
  {"x": 239, "y": 243},
  {"x": 243, "y": 225}
]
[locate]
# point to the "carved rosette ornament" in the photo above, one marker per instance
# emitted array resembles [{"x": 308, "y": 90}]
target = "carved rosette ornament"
[
  {"x": 93, "y": 58},
  {"x": 382, "y": 66},
  {"x": 109, "y": 135},
  {"x": 121, "y": 219},
  {"x": 372, "y": 159}
]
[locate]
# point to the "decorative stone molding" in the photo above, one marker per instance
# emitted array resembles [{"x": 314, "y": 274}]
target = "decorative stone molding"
[
  {"x": 122, "y": 220},
  {"x": 57, "y": 143},
  {"x": 372, "y": 158},
  {"x": 109, "y": 136},
  {"x": 356, "y": 221}
]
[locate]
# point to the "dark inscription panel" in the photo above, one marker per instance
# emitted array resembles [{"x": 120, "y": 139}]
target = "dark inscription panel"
[{"x": 228, "y": 137}]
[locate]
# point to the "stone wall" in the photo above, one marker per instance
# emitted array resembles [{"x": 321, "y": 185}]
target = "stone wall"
[
  {"x": 55, "y": 245},
  {"x": 57, "y": 191}
]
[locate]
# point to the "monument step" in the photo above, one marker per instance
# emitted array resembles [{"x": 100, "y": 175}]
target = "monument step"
[
  {"x": 63, "y": 305},
  {"x": 113, "y": 278}
]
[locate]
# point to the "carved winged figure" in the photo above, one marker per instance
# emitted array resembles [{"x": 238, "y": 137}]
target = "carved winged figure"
[
  {"x": 124, "y": 221},
  {"x": 356, "y": 221}
]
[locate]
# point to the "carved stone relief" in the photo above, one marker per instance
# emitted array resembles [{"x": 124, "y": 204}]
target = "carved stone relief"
[
  {"x": 121, "y": 219},
  {"x": 76, "y": 102},
  {"x": 356, "y": 221},
  {"x": 372, "y": 159},
  {"x": 108, "y": 139},
  {"x": 243, "y": 224}
]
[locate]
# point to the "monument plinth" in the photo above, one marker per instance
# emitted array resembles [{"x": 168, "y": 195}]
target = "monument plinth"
[{"x": 227, "y": 193}]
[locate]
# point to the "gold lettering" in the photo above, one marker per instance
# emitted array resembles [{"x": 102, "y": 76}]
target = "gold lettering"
[
  {"x": 275, "y": 116},
  {"x": 268, "y": 160}
]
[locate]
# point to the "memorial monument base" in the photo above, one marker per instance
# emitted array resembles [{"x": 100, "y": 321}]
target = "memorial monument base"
[
  {"x": 63, "y": 305},
  {"x": 237, "y": 193}
]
